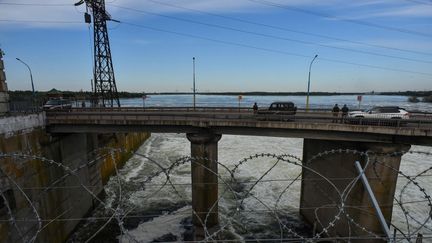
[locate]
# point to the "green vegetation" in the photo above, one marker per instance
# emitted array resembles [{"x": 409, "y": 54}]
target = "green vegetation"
[
  {"x": 413, "y": 99},
  {"x": 256, "y": 93},
  {"x": 409, "y": 93},
  {"x": 427, "y": 99},
  {"x": 43, "y": 95}
]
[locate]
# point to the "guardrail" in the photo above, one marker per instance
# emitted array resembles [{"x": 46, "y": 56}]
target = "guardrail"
[
  {"x": 225, "y": 108},
  {"x": 224, "y": 113},
  {"x": 24, "y": 107},
  {"x": 164, "y": 109}
]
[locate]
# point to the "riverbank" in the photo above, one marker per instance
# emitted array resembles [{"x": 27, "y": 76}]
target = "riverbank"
[{"x": 20, "y": 95}]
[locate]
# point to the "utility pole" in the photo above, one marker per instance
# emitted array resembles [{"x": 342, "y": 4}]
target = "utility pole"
[
  {"x": 194, "y": 90},
  {"x": 105, "y": 89},
  {"x": 31, "y": 80},
  {"x": 307, "y": 97}
]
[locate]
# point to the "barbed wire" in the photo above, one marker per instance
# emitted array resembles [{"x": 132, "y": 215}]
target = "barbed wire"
[{"x": 238, "y": 200}]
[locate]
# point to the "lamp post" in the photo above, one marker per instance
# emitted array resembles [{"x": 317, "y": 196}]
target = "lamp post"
[
  {"x": 194, "y": 100},
  {"x": 144, "y": 97},
  {"x": 307, "y": 97},
  {"x": 31, "y": 77}
]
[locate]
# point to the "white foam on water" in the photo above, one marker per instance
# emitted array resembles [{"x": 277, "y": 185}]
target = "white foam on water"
[
  {"x": 411, "y": 165},
  {"x": 159, "y": 226},
  {"x": 133, "y": 171},
  {"x": 232, "y": 149}
]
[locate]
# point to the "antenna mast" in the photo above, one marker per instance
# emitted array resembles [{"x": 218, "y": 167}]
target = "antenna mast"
[{"x": 105, "y": 89}]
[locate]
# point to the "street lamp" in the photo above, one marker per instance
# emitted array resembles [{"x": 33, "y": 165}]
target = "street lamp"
[
  {"x": 307, "y": 97},
  {"x": 31, "y": 77},
  {"x": 193, "y": 59}
]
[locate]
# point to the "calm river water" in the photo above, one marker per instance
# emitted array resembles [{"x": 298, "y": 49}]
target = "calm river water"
[{"x": 164, "y": 215}]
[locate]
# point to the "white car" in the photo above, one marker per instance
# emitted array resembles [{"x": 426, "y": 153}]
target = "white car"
[
  {"x": 57, "y": 104},
  {"x": 382, "y": 112}
]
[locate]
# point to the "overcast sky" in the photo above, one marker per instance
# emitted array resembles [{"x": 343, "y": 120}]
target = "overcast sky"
[{"x": 239, "y": 45}]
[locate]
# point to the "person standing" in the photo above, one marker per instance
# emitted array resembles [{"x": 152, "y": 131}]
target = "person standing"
[
  {"x": 335, "y": 112},
  {"x": 255, "y": 108},
  {"x": 344, "y": 112}
]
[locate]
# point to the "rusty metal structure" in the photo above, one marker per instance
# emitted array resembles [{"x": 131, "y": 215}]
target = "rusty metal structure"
[{"x": 105, "y": 89}]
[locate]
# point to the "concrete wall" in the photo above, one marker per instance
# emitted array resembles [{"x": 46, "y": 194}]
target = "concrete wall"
[
  {"x": 54, "y": 193},
  {"x": 4, "y": 97},
  {"x": 10, "y": 126},
  {"x": 126, "y": 141}
]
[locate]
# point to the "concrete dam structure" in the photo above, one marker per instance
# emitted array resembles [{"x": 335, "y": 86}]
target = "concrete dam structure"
[
  {"x": 50, "y": 169},
  {"x": 328, "y": 165},
  {"x": 64, "y": 159}
]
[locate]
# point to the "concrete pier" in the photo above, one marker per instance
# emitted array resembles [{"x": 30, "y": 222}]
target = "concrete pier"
[
  {"x": 4, "y": 97},
  {"x": 320, "y": 202},
  {"x": 204, "y": 152}
]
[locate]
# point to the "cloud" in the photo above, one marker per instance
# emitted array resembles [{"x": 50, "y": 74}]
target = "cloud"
[
  {"x": 69, "y": 16},
  {"x": 407, "y": 11},
  {"x": 62, "y": 15},
  {"x": 49, "y": 16},
  {"x": 391, "y": 11},
  {"x": 372, "y": 2},
  {"x": 404, "y": 44}
]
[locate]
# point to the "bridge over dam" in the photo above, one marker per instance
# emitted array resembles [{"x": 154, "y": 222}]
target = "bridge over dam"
[
  {"x": 330, "y": 149},
  {"x": 313, "y": 125}
]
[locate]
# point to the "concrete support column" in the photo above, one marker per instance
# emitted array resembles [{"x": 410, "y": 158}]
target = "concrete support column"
[
  {"x": 4, "y": 97},
  {"x": 204, "y": 152},
  {"x": 320, "y": 201}
]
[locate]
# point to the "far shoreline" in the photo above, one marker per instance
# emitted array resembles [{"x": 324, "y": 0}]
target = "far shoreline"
[
  {"x": 19, "y": 94},
  {"x": 405, "y": 93}
]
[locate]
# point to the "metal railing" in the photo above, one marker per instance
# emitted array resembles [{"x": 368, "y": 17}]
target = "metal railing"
[
  {"x": 231, "y": 113},
  {"x": 24, "y": 107}
]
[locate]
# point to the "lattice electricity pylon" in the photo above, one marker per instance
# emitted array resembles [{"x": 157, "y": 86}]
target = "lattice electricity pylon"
[{"x": 105, "y": 89}]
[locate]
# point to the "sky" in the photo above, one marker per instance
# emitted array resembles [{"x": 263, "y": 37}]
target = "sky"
[{"x": 239, "y": 45}]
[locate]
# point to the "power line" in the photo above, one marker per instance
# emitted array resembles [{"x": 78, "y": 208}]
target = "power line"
[
  {"x": 249, "y": 22},
  {"x": 233, "y": 44},
  {"x": 354, "y": 21},
  {"x": 274, "y": 50},
  {"x": 38, "y": 4},
  {"x": 271, "y": 36},
  {"x": 290, "y": 30},
  {"x": 41, "y": 21}
]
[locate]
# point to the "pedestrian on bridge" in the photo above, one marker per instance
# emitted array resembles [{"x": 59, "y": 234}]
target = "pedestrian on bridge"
[
  {"x": 335, "y": 112},
  {"x": 255, "y": 108},
  {"x": 344, "y": 112}
]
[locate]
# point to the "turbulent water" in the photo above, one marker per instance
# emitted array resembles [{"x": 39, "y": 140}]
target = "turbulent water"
[{"x": 159, "y": 212}]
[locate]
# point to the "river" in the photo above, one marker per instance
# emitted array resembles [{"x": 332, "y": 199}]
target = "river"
[{"x": 158, "y": 213}]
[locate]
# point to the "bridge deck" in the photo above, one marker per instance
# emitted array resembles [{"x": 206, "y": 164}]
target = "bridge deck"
[{"x": 313, "y": 125}]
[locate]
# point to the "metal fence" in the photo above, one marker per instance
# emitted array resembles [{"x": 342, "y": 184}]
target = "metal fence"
[
  {"x": 25, "y": 106},
  {"x": 419, "y": 120}
]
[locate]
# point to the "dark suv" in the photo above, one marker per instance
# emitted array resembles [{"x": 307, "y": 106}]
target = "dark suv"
[
  {"x": 286, "y": 108},
  {"x": 278, "y": 111}
]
